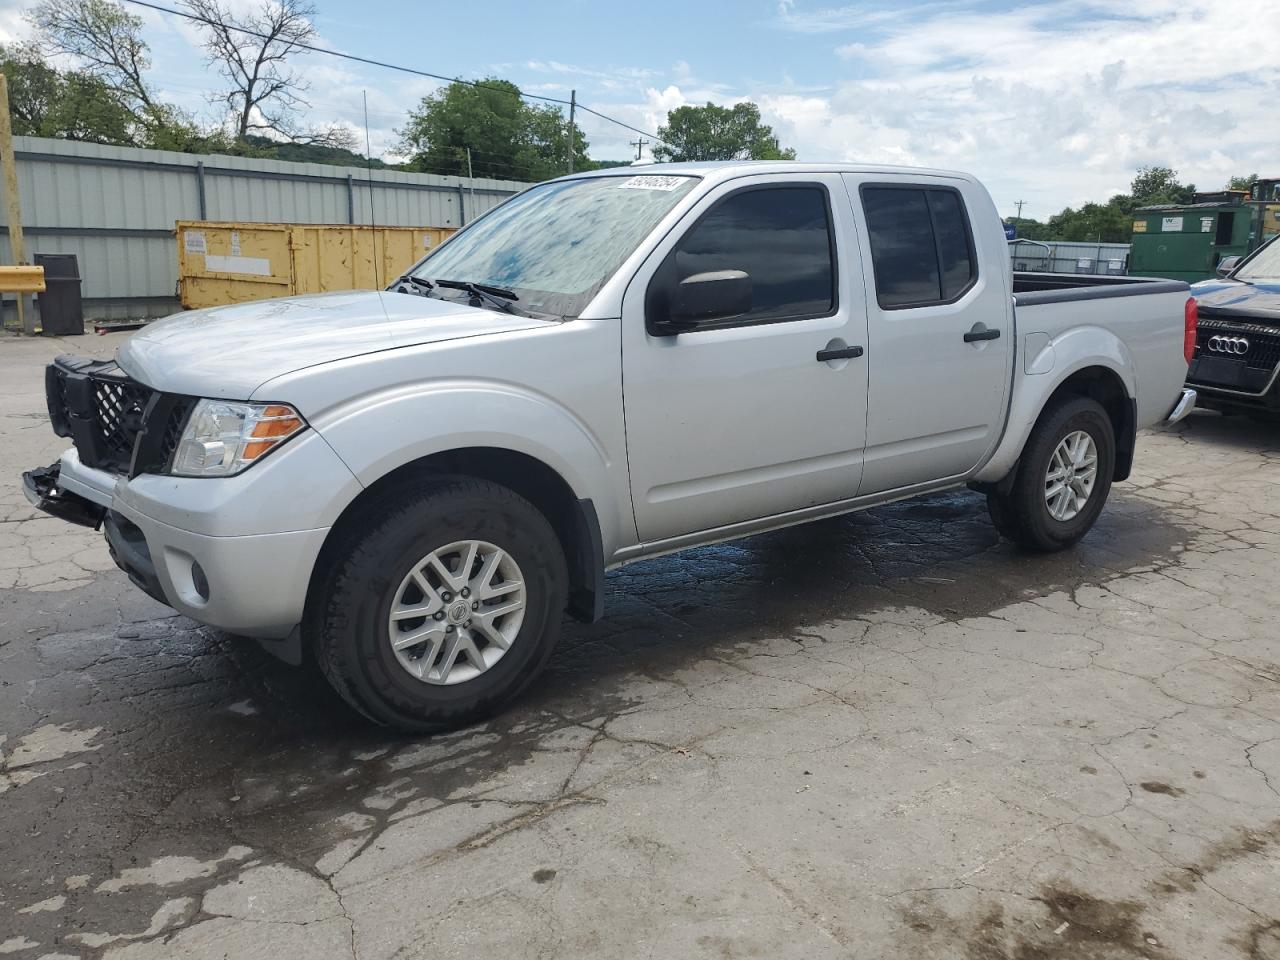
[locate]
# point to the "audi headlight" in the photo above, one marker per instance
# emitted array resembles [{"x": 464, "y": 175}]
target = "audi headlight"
[{"x": 223, "y": 437}]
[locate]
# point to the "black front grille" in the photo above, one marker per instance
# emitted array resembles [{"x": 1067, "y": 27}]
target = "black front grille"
[
  {"x": 1264, "y": 341},
  {"x": 109, "y": 415},
  {"x": 118, "y": 407}
]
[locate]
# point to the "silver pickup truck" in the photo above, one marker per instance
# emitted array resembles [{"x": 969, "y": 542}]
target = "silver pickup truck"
[{"x": 414, "y": 485}]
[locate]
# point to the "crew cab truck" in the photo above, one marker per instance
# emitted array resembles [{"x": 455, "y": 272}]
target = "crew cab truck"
[{"x": 413, "y": 485}]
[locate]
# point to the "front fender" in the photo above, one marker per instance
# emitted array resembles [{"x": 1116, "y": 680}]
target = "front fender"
[
  {"x": 387, "y": 430},
  {"x": 1065, "y": 355}
]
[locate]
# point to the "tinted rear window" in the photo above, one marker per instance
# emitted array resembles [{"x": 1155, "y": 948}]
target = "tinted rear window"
[{"x": 921, "y": 249}]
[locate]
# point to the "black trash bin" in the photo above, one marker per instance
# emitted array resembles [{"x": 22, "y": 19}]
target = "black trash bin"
[{"x": 61, "y": 312}]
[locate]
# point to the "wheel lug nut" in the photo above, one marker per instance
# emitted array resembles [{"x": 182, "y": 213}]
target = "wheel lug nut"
[
  {"x": 446, "y": 596},
  {"x": 475, "y": 604},
  {"x": 449, "y": 628},
  {"x": 439, "y": 614},
  {"x": 466, "y": 592}
]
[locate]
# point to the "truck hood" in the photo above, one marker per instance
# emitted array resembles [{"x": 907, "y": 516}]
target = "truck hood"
[
  {"x": 228, "y": 352},
  {"x": 1256, "y": 303}
]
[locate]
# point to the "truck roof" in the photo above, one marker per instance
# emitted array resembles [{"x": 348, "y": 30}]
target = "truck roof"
[{"x": 726, "y": 169}]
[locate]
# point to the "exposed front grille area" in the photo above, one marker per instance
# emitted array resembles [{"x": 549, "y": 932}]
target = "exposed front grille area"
[
  {"x": 107, "y": 413},
  {"x": 118, "y": 407}
]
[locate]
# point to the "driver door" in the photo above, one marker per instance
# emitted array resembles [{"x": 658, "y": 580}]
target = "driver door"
[{"x": 737, "y": 418}]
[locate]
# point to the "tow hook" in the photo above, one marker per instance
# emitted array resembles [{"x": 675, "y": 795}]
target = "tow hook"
[{"x": 42, "y": 490}]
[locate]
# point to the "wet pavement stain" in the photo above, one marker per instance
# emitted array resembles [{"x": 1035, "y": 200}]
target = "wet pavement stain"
[
  {"x": 207, "y": 730},
  {"x": 213, "y": 737},
  {"x": 1155, "y": 786}
]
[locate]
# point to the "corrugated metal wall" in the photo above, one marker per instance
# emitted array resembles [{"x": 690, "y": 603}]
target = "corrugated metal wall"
[
  {"x": 115, "y": 208},
  {"x": 1069, "y": 256}
]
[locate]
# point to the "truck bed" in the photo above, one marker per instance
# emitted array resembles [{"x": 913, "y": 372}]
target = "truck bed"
[{"x": 1033, "y": 288}]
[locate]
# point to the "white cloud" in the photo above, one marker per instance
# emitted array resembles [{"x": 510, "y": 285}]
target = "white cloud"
[{"x": 1055, "y": 102}]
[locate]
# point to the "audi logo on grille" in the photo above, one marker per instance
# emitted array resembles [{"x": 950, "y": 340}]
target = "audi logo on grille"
[{"x": 1236, "y": 345}]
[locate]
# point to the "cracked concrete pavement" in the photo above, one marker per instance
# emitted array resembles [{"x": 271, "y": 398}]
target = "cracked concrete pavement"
[{"x": 889, "y": 735}]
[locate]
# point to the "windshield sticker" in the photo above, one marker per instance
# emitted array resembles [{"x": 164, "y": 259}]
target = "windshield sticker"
[{"x": 651, "y": 183}]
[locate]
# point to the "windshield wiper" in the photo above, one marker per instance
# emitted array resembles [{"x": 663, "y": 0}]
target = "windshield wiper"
[
  {"x": 498, "y": 296},
  {"x": 426, "y": 286}
]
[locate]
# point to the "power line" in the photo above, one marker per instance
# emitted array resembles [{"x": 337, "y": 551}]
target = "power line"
[
  {"x": 377, "y": 63},
  {"x": 643, "y": 133}
]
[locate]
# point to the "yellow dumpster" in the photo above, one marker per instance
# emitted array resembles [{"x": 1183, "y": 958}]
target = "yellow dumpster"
[{"x": 221, "y": 262}]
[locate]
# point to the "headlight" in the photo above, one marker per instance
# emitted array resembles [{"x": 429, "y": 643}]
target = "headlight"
[{"x": 224, "y": 437}]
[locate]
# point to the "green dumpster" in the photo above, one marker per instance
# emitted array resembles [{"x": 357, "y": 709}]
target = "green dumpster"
[{"x": 1186, "y": 242}]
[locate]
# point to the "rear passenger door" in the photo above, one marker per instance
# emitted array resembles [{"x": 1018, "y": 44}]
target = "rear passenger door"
[{"x": 939, "y": 328}]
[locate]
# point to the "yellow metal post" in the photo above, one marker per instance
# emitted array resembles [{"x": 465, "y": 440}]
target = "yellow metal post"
[{"x": 17, "y": 245}]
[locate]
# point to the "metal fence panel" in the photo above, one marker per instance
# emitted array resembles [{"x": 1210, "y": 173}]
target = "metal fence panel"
[
  {"x": 115, "y": 208},
  {"x": 1065, "y": 256}
]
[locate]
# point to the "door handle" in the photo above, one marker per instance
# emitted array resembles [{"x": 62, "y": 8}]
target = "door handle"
[
  {"x": 844, "y": 353},
  {"x": 979, "y": 332}
]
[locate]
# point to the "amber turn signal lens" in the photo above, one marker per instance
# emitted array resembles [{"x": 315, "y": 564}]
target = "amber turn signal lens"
[{"x": 278, "y": 426}]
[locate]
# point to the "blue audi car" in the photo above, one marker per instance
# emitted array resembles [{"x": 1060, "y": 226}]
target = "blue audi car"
[{"x": 1237, "y": 355}]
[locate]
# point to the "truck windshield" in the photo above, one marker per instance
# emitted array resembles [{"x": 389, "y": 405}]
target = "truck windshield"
[
  {"x": 1265, "y": 264},
  {"x": 557, "y": 243}
]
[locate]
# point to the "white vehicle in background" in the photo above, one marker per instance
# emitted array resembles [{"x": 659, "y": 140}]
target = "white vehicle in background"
[{"x": 414, "y": 485}]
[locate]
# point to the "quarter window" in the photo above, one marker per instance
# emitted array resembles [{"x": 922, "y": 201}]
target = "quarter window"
[
  {"x": 921, "y": 248},
  {"x": 780, "y": 236}
]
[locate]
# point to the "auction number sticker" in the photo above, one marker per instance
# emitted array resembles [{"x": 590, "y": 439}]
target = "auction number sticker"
[{"x": 651, "y": 183}]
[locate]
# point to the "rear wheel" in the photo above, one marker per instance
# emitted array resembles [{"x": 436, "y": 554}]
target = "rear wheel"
[
  {"x": 441, "y": 610},
  {"x": 1063, "y": 478}
]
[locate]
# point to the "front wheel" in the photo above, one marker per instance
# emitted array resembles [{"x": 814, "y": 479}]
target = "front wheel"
[
  {"x": 441, "y": 607},
  {"x": 1063, "y": 478}
]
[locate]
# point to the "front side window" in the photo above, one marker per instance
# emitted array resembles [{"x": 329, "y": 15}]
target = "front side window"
[
  {"x": 921, "y": 248},
  {"x": 557, "y": 244},
  {"x": 780, "y": 236}
]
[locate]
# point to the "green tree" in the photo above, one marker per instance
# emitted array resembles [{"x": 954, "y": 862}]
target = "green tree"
[
  {"x": 34, "y": 88},
  {"x": 1154, "y": 185},
  {"x": 1029, "y": 229},
  {"x": 1242, "y": 183},
  {"x": 508, "y": 138},
  {"x": 104, "y": 39},
  {"x": 718, "y": 133},
  {"x": 71, "y": 106},
  {"x": 1094, "y": 222}
]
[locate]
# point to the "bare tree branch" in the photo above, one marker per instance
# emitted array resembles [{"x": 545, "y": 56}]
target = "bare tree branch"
[{"x": 250, "y": 51}]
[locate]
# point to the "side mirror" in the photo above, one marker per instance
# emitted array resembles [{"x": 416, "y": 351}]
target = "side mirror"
[
  {"x": 1226, "y": 265},
  {"x": 704, "y": 297}
]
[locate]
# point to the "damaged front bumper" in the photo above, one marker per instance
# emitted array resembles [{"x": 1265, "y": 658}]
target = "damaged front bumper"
[{"x": 42, "y": 490}]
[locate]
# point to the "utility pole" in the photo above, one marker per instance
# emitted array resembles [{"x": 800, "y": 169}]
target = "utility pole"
[
  {"x": 573, "y": 109},
  {"x": 471, "y": 180},
  {"x": 639, "y": 143},
  {"x": 17, "y": 244},
  {"x": 1018, "y": 217}
]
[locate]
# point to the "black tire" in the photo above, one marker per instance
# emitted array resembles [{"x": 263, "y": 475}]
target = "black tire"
[
  {"x": 1022, "y": 515},
  {"x": 351, "y": 600}
]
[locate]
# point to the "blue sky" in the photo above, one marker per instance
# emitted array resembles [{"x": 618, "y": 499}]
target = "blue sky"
[{"x": 1053, "y": 102}]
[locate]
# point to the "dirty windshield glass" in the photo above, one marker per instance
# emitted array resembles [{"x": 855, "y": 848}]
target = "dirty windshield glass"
[
  {"x": 1265, "y": 264},
  {"x": 556, "y": 244}
]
